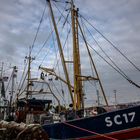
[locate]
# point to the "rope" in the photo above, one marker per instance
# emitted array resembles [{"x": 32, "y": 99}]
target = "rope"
[
  {"x": 22, "y": 76},
  {"x": 95, "y": 133},
  {"x": 50, "y": 34},
  {"x": 58, "y": 92},
  {"x": 129, "y": 80},
  {"x": 63, "y": 45},
  {"x": 55, "y": 50},
  {"x": 20, "y": 88},
  {"x": 106, "y": 53},
  {"x": 38, "y": 28},
  {"x": 111, "y": 43},
  {"x": 115, "y": 67},
  {"x": 8, "y": 83},
  {"x": 31, "y": 49},
  {"x": 66, "y": 20}
]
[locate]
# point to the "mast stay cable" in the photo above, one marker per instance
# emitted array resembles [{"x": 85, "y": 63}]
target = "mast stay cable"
[
  {"x": 21, "y": 83},
  {"x": 56, "y": 65},
  {"x": 50, "y": 34},
  {"x": 35, "y": 38},
  {"x": 128, "y": 79},
  {"x": 106, "y": 53},
  {"x": 53, "y": 38},
  {"x": 116, "y": 67},
  {"x": 111, "y": 43}
]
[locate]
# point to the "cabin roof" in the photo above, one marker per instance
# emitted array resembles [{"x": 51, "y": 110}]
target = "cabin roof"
[{"x": 33, "y": 101}]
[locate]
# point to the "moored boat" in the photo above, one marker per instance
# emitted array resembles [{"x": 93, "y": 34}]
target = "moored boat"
[
  {"x": 119, "y": 124},
  {"x": 76, "y": 122}
]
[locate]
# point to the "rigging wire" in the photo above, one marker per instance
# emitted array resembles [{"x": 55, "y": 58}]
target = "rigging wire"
[
  {"x": 64, "y": 45},
  {"x": 22, "y": 92},
  {"x": 58, "y": 92},
  {"x": 44, "y": 58},
  {"x": 8, "y": 83},
  {"x": 36, "y": 35},
  {"x": 129, "y": 80},
  {"x": 111, "y": 43},
  {"x": 59, "y": 60},
  {"x": 23, "y": 73},
  {"x": 50, "y": 36},
  {"x": 94, "y": 82},
  {"x": 63, "y": 49},
  {"x": 106, "y": 53},
  {"x": 66, "y": 20},
  {"x": 23, "y": 82},
  {"x": 61, "y": 13},
  {"x": 35, "y": 38},
  {"x": 53, "y": 38},
  {"x": 43, "y": 44},
  {"x": 116, "y": 67},
  {"x": 85, "y": 38},
  {"x": 32, "y": 49}
]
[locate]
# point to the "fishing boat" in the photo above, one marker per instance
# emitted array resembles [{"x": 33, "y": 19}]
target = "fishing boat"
[
  {"x": 5, "y": 103},
  {"x": 118, "y": 124},
  {"x": 81, "y": 122}
]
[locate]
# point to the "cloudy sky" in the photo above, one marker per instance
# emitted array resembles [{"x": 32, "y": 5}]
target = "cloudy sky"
[{"x": 118, "y": 20}]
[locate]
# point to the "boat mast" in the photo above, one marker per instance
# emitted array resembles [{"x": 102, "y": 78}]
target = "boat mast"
[
  {"x": 2, "y": 69},
  {"x": 29, "y": 89},
  {"x": 1, "y": 77},
  {"x": 78, "y": 94},
  {"x": 29, "y": 75},
  {"x": 12, "y": 87},
  {"x": 1, "y": 80},
  {"x": 93, "y": 64},
  {"x": 61, "y": 51}
]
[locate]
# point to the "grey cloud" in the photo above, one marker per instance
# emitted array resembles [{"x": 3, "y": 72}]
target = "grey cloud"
[{"x": 119, "y": 20}]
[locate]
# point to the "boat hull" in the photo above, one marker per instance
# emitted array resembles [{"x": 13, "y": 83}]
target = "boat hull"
[
  {"x": 121, "y": 135},
  {"x": 121, "y": 124}
]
